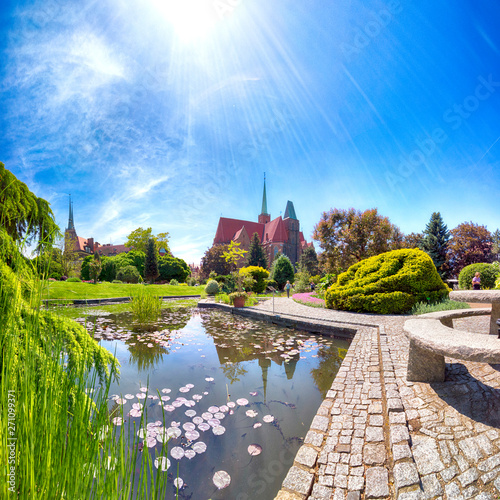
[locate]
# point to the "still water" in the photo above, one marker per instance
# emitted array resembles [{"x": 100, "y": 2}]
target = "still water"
[{"x": 238, "y": 396}]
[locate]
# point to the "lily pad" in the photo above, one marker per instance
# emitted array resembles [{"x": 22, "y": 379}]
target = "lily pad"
[
  {"x": 255, "y": 449},
  {"x": 221, "y": 479}
]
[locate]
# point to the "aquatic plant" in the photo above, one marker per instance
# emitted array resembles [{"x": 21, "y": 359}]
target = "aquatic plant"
[{"x": 145, "y": 306}]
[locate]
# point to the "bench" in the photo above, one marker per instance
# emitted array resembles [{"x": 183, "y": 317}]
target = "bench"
[
  {"x": 482, "y": 297},
  {"x": 430, "y": 341}
]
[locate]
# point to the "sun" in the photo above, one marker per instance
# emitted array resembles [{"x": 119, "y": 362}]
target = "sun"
[{"x": 190, "y": 19}]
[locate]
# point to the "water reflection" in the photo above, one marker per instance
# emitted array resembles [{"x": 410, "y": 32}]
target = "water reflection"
[{"x": 263, "y": 382}]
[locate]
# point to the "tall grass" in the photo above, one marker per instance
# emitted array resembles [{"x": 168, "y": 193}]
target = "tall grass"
[
  {"x": 444, "y": 305},
  {"x": 145, "y": 306},
  {"x": 57, "y": 440}
]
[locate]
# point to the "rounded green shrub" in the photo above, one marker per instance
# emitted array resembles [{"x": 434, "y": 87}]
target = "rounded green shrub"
[
  {"x": 117, "y": 281},
  {"x": 212, "y": 287},
  {"x": 389, "y": 283},
  {"x": 128, "y": 274},
  {"x": 489, "y": 273},
  {"x": 74, "y": 280},
  {"x": 258, "y": 274},
  {"x": 174, "y": 282}
]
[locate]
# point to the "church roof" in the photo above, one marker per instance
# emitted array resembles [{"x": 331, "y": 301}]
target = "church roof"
[
  {"x": 227, "y": 229},
  {"x": 290, "y": 211},
  {"x": 275, "y": 231}
]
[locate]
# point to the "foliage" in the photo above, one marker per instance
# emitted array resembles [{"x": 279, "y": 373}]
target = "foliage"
[
  {"x": 227, "y": 283},
  {"x": 308, "y": 261},
  {"x": 214, "y": 260},
  {"x": 237, "y": 295},
  {"x": 108, "y": 272},
  {"x": 134, "y": 258},
  {"x": 85, "y": 269},
  {"x": 138, "y": 240},
  {"x": 495, "y": 248},
  {"x": 302, "y": 282},
  {"x": 174, "y": 282},
  {"x": 74, "y": 280},
  {"x": 128, "y": 274},
  {"x": 258, "y": 274},
  {"x": 234, "y": 254},
  {"x": 349, "y": 236},
  {"x": 435, "y": 242},
  {"x": 412, "y": 240},
  {"x": 173, "y": 268},
  {"x": 95, "y": 267},
  {"x": 443, "y": 305},
  {"x": 212, "y": 287},
  {"x": 24, "y": 216},
  {"x": 390, "y": 283},
  {"x": 469, "y": 244},
  {"x": 271, "y": 284},
  {"x": 256, "y": 253},
  {"x": 151, "y": 262},
  {"x": 282, "y": 271},
  {"x": 489, "y": 274},
  {"x": 145, "y": 306},
  {"x": 117, "y": 281}
]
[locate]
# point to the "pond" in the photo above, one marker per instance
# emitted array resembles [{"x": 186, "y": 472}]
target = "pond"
[{"x": 238, "y": 396}]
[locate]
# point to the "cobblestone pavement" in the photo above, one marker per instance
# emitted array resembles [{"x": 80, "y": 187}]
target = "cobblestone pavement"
[{"x": 378, "y": 436}]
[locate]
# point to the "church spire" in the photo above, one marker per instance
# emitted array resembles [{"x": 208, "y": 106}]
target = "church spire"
[
  {"x": 264, "y": 197},
  {"x": 264, "y": 217},
  {"x": 71, "y": 224}
]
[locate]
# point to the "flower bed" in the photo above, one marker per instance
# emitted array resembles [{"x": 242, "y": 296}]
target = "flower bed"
[{"x": 308, "y": 299}]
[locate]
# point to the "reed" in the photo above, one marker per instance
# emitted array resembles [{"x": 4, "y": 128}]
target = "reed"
[
  {"x": 57, "y": 439},
  {"x": 145, "y": 306}
]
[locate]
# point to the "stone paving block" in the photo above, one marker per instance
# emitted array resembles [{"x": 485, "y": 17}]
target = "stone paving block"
[
  {"x": 399, "y": 433},
  {"x": 355, "y": 483},
  {"x": 306, "y": 456},
  {"x": 374, "y": 434},
  {"x": 395, "y": 405},
  {"x": 471, "y": 449},
  {"x": 400, "y": 451},
  {"x": 374, "y": 454},
  {"x": 453, "y": 491},
  {"x": 325, "y": 480},
  {"x": 321, "y": 492},
  {"x": 470, "y": 492},
  {"x": 314, "y": 438},
  {"x": 468, "y": 477},
  {"x": 489, "y": 463},
  {"x": 489, "y": 476},
  {"x": 463, "y": 465},
  {"x": 340, "y": 481},
  {"x": 353, "y": 495},
  {"x": 321, "y": 423},
  {"x": 376, "y": 420},
  {"x": 377, "y": 483},
  {"x": 426, "y": 455},
  {"x": 411, "y": 495},
  {"x": 497, "y": 484},
  {"x": 298, "y": 480},
  {"x": 397, "y": 418},
  {"x": 405, "y": 474},
  {"x": 484, "y": 496},
  {"x": 431, "y": 485},
  {"x": 449, "y": 473},
  {"x": 375, "y": 407},
  {"x": 285, "y": 495},
  {"x": 338, "y": 494}
]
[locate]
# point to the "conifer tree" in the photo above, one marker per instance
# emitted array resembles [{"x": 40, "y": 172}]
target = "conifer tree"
[
  {"x": 309, "y": 261},
  {"x": 95, "y": 267},
  {"x": 435, "y": 241},
  {"x": 151, "y": 263},
  {"x": 256, "y": 253},
  {"x": 282, "y": 271}
]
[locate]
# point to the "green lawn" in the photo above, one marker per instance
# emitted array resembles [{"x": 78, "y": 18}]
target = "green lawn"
[{"x": 64, "y": 290}]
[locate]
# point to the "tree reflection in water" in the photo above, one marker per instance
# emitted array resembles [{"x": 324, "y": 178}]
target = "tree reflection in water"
[{"x": 329, "y": 359}]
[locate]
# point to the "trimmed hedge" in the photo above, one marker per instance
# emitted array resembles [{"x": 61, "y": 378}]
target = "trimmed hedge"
[
  {"x": 212, "y": 287},
  {"x": 489, "y": 273},
  {"x": 389, "y": 283}
]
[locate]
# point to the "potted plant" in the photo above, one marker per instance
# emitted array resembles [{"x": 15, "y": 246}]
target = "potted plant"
[{"x": 238, "y": 298}]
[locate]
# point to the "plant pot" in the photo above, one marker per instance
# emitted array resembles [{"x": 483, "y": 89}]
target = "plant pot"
[{"x": 239, "y": 302}]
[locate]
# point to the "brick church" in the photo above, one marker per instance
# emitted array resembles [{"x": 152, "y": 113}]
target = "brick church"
[
  {"x": 87, "y": 246},
  {"x": 282, "y": 234}
]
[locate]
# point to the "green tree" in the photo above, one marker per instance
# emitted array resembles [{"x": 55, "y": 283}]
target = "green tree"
[
  {"x": 85, "y": 269},
  {"x": 349, "y": 236},
  {"x": 95, "y": 267},
  {"x": 256, "y": 253},
  {"x": 138, "y": 239},
  {"x": 495, "y": 249},
  {"x": 234, "y": 254},
  {"x": 435, "y": 241},
  {"x": 308, "y": 261},
  {"x": 173, "y": 268},
  {"x": 24, "y": 216},
  {"x": 412, "y": 240},
  {"x": 128, "y": 274},
  {"x": 282, "y": 271},
  {"x": 469, "y": 244},
  {"x": 151, "y": 262},
  {"x": 214, "y": 260},
  {"x": 108, "y": 272},
  {"x": 134, "y": 258}
]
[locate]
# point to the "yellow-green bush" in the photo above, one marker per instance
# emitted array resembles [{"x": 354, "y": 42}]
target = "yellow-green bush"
[
  {"x": 259, "y": 274},
  {"x": 389, "y": 283}
]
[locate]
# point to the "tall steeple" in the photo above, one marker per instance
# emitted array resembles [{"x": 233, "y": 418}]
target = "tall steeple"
[
  {"x": 71, "y": 224},
  {"x": 264, "y": 217}
]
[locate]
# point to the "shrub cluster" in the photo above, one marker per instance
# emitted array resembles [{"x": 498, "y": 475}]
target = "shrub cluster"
[
  {"x": 212, "y": 287},
  {"x": 489, "y": 273},
  {"x": 389, "y": 283},
  {"x": 258, "y": 274}
]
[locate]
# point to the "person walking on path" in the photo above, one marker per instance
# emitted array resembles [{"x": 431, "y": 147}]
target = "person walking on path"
[
  {"x": 287, "y": 288},
  {"x": 476, "y": 282}
]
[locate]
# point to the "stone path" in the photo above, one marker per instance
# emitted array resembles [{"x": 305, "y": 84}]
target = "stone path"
[{"x": 378, "y": 436}]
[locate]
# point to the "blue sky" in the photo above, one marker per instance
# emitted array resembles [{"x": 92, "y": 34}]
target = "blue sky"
[{"x": 166, "y": 114}]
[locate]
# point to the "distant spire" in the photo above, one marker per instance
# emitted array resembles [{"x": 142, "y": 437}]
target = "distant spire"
[
  {"x": 264, "y": 198},
  {"x": 290, "y": 211},
  {"x": 71, "y": 224}
]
